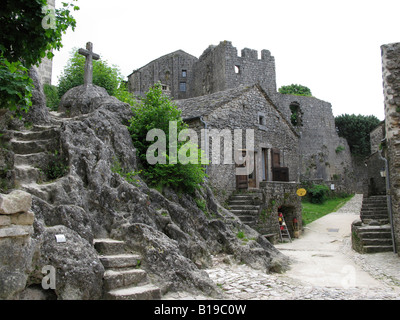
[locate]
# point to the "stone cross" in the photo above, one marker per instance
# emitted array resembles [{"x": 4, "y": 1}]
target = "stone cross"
[{"x": 90, "y": 56}]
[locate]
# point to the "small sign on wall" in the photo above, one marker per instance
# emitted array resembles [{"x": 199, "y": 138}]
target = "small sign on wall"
[{"x": 60, "y": 238}]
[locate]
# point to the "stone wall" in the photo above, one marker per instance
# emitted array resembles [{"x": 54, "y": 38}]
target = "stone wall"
[
  {"x": 375, "y": 164},
  {"x": 171, "y": 70},
  {"x": 376, "y": 137},
  {"x": 324, "y": 155},
  {"x": 391, "y": 90},
  {"x": 280, "y": 197},
  {"x": 220, "y": 68}
]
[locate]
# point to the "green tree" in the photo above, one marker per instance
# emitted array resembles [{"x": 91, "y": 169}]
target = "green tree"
[
  {"x": 156, "y": 111},
  {"x": 108, "y": 77},
  {"x": 295, "y": 89},
  {"x": 52, "y": 99},
  {"x": 356, "y": 130},
  {"x": 28, "y": 33}
]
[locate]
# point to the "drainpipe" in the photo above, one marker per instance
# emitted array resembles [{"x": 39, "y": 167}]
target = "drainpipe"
[
  {"x": 389, "y": 197},
  {"x": 205, "y": 140}
]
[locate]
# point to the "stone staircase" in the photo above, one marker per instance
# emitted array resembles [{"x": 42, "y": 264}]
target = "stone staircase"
[
  {"x": 35, "y": 151},
  {"x": 31, "y": 153},
  {"x": 246, "y": 206},
  {"x": 372, "y": 233},
  {"x": 123, "y": 278},
  {"x": 375, "y": 209}
]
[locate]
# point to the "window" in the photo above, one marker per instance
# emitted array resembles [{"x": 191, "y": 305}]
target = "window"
[
  {"x": 295, "y": 117},
  {"x": 182, "y": 86},
  {"x": 237, "y": 69},
  {"x": 184, "y": 73},
  {"x": 262, "y": 120}
]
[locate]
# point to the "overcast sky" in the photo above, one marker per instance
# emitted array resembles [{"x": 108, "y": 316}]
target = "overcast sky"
[{"x": 332, "y": 47}]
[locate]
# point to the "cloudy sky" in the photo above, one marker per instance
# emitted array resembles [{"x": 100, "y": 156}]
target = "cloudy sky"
[{"x": 332, "y": 47}]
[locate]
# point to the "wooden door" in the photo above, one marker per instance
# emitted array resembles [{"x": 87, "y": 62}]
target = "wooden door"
[
  {"x": 242, "y": 181},
  {"x": 276, "y": 158}
]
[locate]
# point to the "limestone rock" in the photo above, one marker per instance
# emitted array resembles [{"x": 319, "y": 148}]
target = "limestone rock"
[
  {"x": 81, "y": 100},
  {"x": 17, "y": 252},
  {"x": 79, "y": 271},
  {"x": 15, "y": 202}
]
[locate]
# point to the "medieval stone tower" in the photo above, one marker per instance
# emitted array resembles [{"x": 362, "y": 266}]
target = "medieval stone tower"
[{"x": 219, "y": 68}]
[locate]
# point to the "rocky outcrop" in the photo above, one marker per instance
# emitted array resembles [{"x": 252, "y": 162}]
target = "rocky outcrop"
[
  {"x": 81, "y": 100},
  {"x": 92, "y": 200}
]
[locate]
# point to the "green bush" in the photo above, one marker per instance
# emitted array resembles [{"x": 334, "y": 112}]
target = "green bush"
[
  {"x": 52, "y": 99},
  {"x": 356, "y": 129},
  {"x": 156, "y": 111},
  {"x": 295, "y": 89},
  {"x": 318, "y": 193}
]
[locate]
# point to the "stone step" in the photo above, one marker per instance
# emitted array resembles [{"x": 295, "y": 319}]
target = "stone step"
[
  {"x": 244, "y": 212},
  {"x": 375, "y": 235},
  {"x": 243, "y": 207},
  {"x": 246, "y": 195},
  {"x": 382, "y": 202},
  {"x": 35, "y": 135},
  {"x": 375, "y": 249},
  {"x": 375, "y": 210},
  {"x": 246, "y": 218},
  {"x": 46, "y": 191},
  {"x": 374, "y": 216},
  {"x": 381, "y": 221},
  {"x": 377, "y": 242},
  {"x": 28, "y": 147},
  {"x": 145, "y": 292},
  {"x": 26, "y": 174},
  {"x": 377, "y": 197},
  {"x": 33, "y": 159},
  {"x": 120, "y": 261},
  {"x": 374, "y": 206},
  {"x": 109, "y": 246},
  {"x": 385, "y": 228},
  {"x": 114, "y": 279},
  {"x": 241, "y": 202}
]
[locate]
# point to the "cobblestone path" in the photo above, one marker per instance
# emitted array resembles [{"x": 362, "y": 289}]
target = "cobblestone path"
[{"x": 324, "y": 267}]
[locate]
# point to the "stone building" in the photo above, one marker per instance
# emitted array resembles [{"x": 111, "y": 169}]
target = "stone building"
[
  {"x": 272, "y": 162},
  {"x": 324, "y": 157},
  {"x": 276, "y": 143},
  {"x": 391, "y": 90},
  {"x": 219, "y": 68},
  {"x": 174, "y": 71}
]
